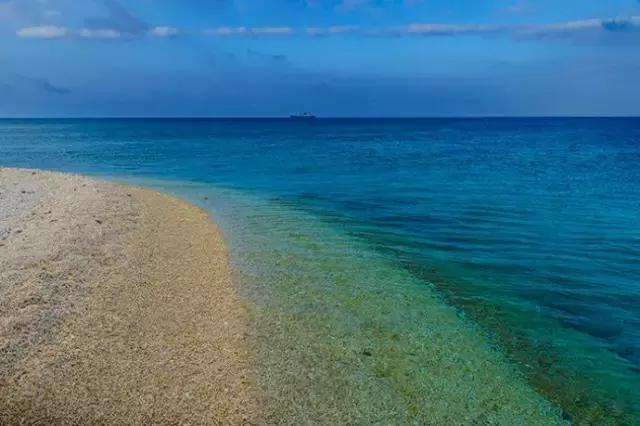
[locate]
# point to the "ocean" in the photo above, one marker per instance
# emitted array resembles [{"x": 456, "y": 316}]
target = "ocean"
[{"x": 396, "y": 267}]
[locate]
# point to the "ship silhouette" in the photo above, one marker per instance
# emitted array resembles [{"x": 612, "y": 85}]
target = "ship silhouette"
[{"x": 302, "y": 116}]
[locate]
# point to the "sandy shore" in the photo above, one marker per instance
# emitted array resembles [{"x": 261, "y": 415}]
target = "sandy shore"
[{"x": 116, "y": 307}]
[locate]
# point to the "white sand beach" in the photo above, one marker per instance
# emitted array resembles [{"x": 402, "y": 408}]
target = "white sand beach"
[{"x": 116, "y": 307}]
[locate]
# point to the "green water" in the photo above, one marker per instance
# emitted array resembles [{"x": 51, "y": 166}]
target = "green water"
[{"x": 342, "y": 335}]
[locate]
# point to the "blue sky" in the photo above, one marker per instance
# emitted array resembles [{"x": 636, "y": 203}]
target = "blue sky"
[{"x": 335, "y": 58}]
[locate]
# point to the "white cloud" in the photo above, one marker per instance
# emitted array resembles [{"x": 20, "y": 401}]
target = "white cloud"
[
  {"x": 334, "y": 30},
  {"x": 43, "y": 31},
  {"x": 417, "y": 29},
  {"x": 272, "y": 30},
  {"x": 164, "y": 32},
  {"x": 107, "y": 34},
  {"x": 588, "y": 29},
  {"x": 564, "y": 27},
  {"x": 588, "y": 26},
  {"x": 235, "y": 31},
  {"x": 444, "y": 29},
  {"x": 226, "y": 31},
  {"x": 580, "y": 28}
]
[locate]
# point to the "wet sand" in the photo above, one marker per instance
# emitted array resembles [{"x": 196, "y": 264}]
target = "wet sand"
[{"x": 116, "y": 307}]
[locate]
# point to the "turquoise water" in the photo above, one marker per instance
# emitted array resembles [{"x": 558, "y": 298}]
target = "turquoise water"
[{"x": 526, "y": 229}]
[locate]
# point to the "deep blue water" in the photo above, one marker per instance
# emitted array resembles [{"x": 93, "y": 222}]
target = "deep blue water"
[{"x": 531, "y": 227}]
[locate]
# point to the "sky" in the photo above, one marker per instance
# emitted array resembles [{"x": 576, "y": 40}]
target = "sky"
[{"x": 371, "y": 58}]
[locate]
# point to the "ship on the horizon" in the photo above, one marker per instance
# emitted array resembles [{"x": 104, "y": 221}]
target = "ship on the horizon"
[{"x": 302, "y": 116}]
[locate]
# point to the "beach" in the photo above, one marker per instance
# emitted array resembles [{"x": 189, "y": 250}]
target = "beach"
[
  {"x": 120, "y": 305},
  {"x": 116, "y": 307},
  {"x": 123, "y": 305}
]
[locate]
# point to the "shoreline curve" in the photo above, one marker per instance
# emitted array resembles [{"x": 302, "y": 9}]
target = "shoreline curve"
[{"x": 116, "y": 306}]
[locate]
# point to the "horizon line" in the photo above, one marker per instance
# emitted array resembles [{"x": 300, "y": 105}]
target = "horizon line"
[{"x": 328, "y": 117}]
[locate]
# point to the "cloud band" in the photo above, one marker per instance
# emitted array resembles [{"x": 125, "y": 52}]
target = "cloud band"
[{"x": 556, "y": 30}]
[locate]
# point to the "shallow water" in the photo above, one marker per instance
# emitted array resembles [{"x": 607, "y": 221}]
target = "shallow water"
[
  {"x": 528, "y": 227},
  {"x": 342, "y": 335}
]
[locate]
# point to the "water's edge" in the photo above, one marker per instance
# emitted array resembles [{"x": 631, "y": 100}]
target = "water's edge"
[{"x": 341, "y": 334}]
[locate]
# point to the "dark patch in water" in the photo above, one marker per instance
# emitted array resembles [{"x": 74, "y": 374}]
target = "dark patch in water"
[{"x": 538, "y": 360}]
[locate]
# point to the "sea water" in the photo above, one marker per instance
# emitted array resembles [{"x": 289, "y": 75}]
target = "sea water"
[{"x": 407, "y": 270}]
